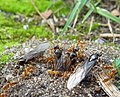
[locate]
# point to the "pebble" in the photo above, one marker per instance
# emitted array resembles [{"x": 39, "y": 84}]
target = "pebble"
[
  {"x": 25, "y": 27},
  {"x": 9, "y": 77}
]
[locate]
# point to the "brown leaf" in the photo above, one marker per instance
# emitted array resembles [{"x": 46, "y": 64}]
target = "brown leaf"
[{"x": 47, "y": 14}]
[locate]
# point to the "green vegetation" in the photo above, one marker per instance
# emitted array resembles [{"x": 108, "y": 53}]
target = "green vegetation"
[
  {"x": 117, "y": 65},
  {"x": 5, "y": 58},
  {"x": 79, "y": 5},
  {"x": 25, "y": 6},
  {"x": 12, "y": 32},
  {"x": 92, "y": 6}
]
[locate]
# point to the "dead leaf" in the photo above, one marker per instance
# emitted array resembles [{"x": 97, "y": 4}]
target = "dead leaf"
[
  {"x": 115, "y": 12},
  {"x": 47, "y": 14}
]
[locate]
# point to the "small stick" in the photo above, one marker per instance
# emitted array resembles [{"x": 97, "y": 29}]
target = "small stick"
[
  {"x": 33, "y": 3},
  {"x": 91, "y": 24},
  {"x": 110, "y": 28},
  {"x": 109, "y": 35},
  {"x": 51, "y": 25}
]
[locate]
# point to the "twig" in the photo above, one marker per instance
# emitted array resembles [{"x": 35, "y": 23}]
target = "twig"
[
  {"x": 75, "y": 20},
  {"x": 33, "y": 3},
  {"x": 51, "y": 25},
  {"x": 104, "y": 25},
  {"x": 59, "y": 9},
  {"x": 110, "y": 28},
  {"x": 91, "y": 24},
  {"x": 109, "y": 35}
]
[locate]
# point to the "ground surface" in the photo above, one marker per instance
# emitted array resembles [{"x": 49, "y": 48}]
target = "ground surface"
[
  {"x": 20, "y": 29},
  {"x": 39, "y": 83}
]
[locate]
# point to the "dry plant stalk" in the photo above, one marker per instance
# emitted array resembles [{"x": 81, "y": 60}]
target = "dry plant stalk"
[
  {"x": 52, "y": 26},
  {"x": 110, "y": 89},
  {"x": 109, "y": 35}
]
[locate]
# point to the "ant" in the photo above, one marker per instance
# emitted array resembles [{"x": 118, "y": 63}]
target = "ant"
[
  {"x": 111, "y": 74},
  {"x": 64, "y": 60}
]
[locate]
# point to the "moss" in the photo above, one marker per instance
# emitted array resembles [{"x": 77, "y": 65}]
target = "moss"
[
  {"x": 7, "y": 44},
  {"x": 26, "y": 7},
  {"x": 23, "y": 6},
  {"x": 4, "y": 58},
  {"x": 5, "y": 21},
  {"x": 12, "y": 33}
]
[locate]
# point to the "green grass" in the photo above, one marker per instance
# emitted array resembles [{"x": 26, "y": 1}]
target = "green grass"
[
  {"x": 76, "y": 10},
  {"x": 92, "y": 6}
]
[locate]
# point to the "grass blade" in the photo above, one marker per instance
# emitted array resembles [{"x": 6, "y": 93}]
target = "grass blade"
[
  {"x": 107, "y": 14},
  {"x": 89, "y": 12},
  {"x": 117, "y": 65},
  {"x": 79, "y": 5},
  {"x": 71, "y": 16},
  {"x": 87, "y": 15},
  {"x": 104, "y": 13}
]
